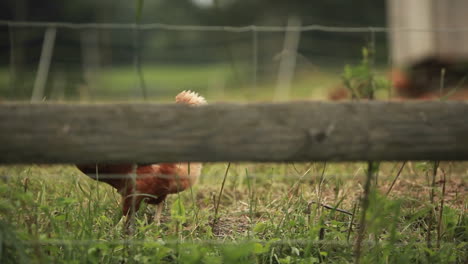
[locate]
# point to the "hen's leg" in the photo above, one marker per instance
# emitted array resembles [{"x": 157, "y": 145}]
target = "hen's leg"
[
  {"x": 159, "y": 208},
  {"x": 157, "y": 215},
  {"x": 130, "y": 206}
]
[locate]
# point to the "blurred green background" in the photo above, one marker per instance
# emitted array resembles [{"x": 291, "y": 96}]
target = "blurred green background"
[{"x": 99, "y": 64}]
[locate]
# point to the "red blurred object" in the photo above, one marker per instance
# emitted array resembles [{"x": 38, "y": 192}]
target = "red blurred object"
[
  {"x": 432, "y": 78},
  {"x": 338, "y": 94}
]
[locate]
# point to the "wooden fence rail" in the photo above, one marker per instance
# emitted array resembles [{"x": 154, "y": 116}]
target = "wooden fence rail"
[{"x": 300, "y": 131}]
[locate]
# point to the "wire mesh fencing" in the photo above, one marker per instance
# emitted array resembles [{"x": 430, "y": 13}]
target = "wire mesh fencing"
[
  {"x": 84, "y": 58},
  {"x": 247, "y": 212}
]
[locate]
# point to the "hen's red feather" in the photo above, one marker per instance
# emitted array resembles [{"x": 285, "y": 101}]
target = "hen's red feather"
[{"x": 153, "y": 182}]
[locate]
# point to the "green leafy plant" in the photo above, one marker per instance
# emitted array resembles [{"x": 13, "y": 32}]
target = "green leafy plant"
[{"x": 361, "y": 80}]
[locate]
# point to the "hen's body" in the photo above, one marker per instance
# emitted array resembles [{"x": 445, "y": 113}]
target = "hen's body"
[
  {"x": 150, "y": 182},
  {"x": 423, "y": 79}
]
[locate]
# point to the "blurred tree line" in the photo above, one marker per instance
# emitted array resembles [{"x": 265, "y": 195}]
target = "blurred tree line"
[
  {"x": 22, "y": 46},
  {"x": 207, "y": 12}
]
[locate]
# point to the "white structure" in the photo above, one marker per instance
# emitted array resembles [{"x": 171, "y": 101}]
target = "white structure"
[{"x": 421, "y": 28}]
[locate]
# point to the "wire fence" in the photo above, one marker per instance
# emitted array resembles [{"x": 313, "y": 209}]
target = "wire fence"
[
  {"x": 238, "y": 29},
  {"x": 79, "y": 61},
  {"x": 58, "y": 242},
  {"x": 252, "y": 55},
  {"x": 66, "y": 63}
]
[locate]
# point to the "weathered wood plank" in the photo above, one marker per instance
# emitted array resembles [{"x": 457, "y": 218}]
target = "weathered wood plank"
[{"x": 301, "y": 131}]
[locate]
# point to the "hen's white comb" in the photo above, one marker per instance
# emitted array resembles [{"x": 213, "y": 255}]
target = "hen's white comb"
[{"x": 190, "y": 98}]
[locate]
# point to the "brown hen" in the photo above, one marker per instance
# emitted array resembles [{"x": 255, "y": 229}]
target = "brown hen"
[{"x": 153, "y": 182}]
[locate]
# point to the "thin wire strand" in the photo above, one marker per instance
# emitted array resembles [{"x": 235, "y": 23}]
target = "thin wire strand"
[
  {"x": 220, "y": 176},
  {"x": 13, "y": 66},
  {"x": 137, "y": 61},
  {"x": 87, "y": 242},
  {"x": 254, "y": 57},
  {"x": 239, "y": 29}
]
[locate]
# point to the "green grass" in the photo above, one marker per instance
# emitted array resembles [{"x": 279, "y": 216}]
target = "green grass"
[
  {"x": 162, "y": 81},
  {"x": 268, "y": 213},
  {"x": 217, "y": 82},
  {"x": 4, "y": 81}
]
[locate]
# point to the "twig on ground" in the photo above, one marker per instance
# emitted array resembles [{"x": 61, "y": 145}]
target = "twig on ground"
[
  {"x": 396, "y": 178},
  {"x": 215, "y": 220},
  {"x": 329, "y": 207}
]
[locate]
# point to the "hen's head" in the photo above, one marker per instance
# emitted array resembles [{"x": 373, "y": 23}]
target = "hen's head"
[{"x": 190, "y": 98}]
